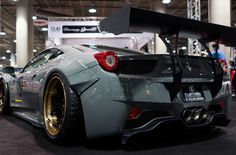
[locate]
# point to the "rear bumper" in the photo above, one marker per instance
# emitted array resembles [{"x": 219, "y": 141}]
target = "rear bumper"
[
  {"x": 219, "y": 119},
  {"x": 108, "y": 100}
]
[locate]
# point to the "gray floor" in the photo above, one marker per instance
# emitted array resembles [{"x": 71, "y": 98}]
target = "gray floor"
[{"x": 19, "y": 137}]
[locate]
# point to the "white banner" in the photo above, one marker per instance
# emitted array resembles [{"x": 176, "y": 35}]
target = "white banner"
[{"x": 73, "y": 29}]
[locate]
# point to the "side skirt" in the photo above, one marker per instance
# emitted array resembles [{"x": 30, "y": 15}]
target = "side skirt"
[{"x": 29, "y": 117}]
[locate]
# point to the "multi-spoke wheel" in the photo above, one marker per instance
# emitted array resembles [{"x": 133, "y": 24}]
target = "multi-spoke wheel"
[
  {"x": 4, "y": 99},
  {"x": 54, "y": 108},
  {"x": 62, "y": 111}
]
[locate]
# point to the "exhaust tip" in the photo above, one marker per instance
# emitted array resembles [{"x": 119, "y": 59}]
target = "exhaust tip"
[
  {"x": 187, "y": 115},
  {"x": 203, "y": 113},
  {"x": 196, "y": 114}
]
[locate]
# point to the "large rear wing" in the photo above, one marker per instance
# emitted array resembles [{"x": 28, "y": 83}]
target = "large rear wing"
[{"x": 131, "y": 19}]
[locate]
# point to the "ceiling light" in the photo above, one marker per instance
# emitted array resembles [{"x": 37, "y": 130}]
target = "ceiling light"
[
  {"x": 184, "y": 48},
  {"x": 15, "y": 0},
  {"x": 14, "y": 41},
  {"x": 44, "y": 29},
  {"x": 34, "y": 17},
  {"x": 3, "y": 58},
  {"x": 34, "y": 50},
  {"x": 8, "y": 51},
  {"x": 2, "y": 33},
  {"x": 166, "y": 1},
  {"x": 168, "y": 41},
  {"x": 92, "y": 10}
]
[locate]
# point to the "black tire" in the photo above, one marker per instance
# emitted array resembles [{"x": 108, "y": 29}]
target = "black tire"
[
  {"x": 234, "y": 83},
  {"x": 62, "y": 112},
  {"x": 4, "y": 98}
]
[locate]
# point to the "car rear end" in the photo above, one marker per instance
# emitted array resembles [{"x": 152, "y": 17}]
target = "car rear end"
[{"x": 138, "y": 93}]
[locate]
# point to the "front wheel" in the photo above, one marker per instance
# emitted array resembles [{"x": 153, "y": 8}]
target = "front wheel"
[
  {"x": 4, "y": 98},
  {"x": 62, "y": 112}
]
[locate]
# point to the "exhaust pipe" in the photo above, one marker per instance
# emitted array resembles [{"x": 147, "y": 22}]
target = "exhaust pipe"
[
  {"x": 203, "y": 113},
  {"x": 187, "y": 115},
  {"x": 194, "y": 114}
]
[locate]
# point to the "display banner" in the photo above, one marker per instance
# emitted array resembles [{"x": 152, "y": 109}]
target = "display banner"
[
  {"x": 79, "y": 29},
  {"x": 73, "y": 29},
  {"x": 84, "y": 29}
]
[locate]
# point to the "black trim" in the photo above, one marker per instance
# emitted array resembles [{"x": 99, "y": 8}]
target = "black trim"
[{"x": 219, "y": 119}]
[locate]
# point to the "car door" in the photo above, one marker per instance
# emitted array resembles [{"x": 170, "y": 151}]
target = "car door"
[
  {"x": 24, "y": 95},
  {"x": 39, "y": 74}
]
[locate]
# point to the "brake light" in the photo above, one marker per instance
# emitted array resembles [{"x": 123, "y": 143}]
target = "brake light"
[
  {"x": 108, "y": 60},
  {"x": 134, "y": 113}
]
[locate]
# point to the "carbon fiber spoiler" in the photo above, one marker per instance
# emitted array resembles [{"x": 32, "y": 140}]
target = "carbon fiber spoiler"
[{"x": 131, "y": 19}]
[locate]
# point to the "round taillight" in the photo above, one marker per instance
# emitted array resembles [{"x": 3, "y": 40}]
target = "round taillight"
[{"x": 108, "y": 60}]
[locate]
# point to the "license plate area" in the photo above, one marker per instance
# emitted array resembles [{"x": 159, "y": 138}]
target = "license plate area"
[{"x": 192, "y": 94}]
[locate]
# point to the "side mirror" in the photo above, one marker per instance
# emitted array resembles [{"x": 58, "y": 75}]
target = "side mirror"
[{"x": 8, "y": 70}]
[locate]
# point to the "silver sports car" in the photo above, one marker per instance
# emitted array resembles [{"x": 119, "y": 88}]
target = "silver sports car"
[{"x": 93, "y": 91}]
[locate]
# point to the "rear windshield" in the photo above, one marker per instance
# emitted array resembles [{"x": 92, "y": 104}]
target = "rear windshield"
[
  {"x": 192, "y": 66},
  {"x": 119, "y": 51}
]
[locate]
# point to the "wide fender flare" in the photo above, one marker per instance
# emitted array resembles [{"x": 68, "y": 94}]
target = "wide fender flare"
[{"x": 77, "y": 85}]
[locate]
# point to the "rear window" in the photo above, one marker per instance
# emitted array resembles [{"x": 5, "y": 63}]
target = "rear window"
[{"x": 193, "y": 66}]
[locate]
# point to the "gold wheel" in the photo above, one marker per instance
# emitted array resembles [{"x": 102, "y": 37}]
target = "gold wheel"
[{"x": 54, "y": 106}]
